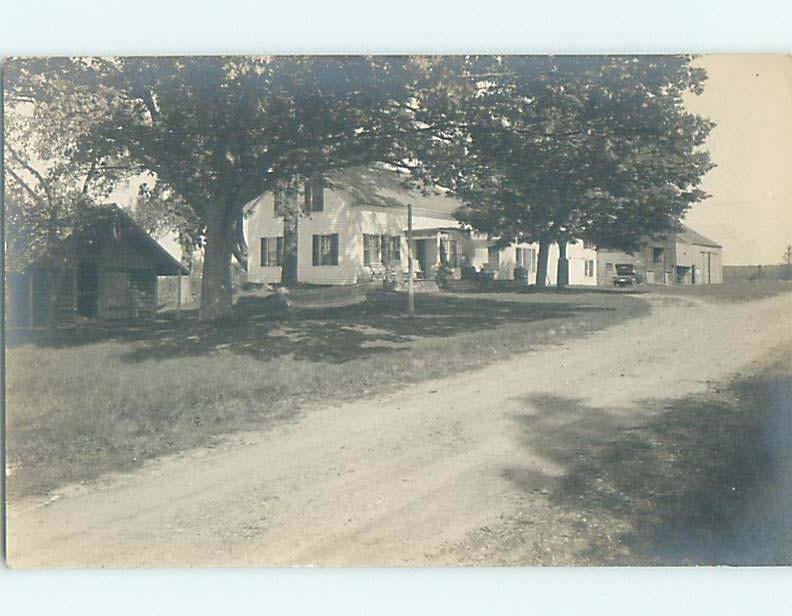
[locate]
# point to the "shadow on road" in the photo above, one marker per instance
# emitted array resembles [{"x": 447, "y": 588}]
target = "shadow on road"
[{"x": 705, "y": 480}]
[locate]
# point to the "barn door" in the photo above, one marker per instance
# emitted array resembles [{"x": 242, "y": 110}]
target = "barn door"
[
  {"x": 115, "y": 296},
  {"x": 87, "y": 290}
]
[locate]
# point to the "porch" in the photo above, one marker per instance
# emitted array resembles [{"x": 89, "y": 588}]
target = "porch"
[{"x": 437, "y": 248}]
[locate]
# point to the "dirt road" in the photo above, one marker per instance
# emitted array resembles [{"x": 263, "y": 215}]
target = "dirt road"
[{"x": 392, "y": 480}]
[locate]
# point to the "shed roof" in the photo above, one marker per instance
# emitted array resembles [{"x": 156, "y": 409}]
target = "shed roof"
[
  {"x": 111, "y": 219},
  {"x": 161, "y": 259}
]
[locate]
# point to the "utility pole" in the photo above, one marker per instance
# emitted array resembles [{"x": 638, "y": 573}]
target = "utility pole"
[{"x": 410, "y": 289}]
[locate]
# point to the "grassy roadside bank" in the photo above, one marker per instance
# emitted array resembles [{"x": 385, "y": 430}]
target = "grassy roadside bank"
[{"x": 105, "y": 399}]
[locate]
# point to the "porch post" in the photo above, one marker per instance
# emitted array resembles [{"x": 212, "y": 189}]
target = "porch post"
[{"x": 410, "y": 289}]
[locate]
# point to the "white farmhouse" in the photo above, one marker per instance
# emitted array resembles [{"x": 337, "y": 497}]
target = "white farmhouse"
[{"x": 354, "y": 227}]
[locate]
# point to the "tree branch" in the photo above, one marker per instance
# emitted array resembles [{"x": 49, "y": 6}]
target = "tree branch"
[
  {"x": 34, "y": 172},
  {"x": 23, "y": 184}
]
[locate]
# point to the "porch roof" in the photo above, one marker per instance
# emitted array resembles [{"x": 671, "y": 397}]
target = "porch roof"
[{"x": 426, "y": 233}]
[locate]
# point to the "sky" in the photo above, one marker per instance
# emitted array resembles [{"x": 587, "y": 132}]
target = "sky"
[{"x": 750, "y": 211}]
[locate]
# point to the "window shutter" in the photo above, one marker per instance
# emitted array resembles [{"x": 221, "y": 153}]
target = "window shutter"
[
  {"x": 308, "y": 197},
  {"x": 334, "y": 249},
  {"x": 263, "y": 252},
  {"x": 317, "y": 195},
  {"x": 279, "y": 248},
  {"x": 366, "y": 250},
  {"x": 396, "y": 247},
  {"x": 316, "y": 249},
  {"x": 384, "y": 249}
]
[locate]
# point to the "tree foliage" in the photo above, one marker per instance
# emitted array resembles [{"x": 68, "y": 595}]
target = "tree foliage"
[
  {"x": 52, "y": 179},
  {"x": 217, "y": 132},
  {"x": 595, "y": 147},
  {"x": 537, "y": 148}
]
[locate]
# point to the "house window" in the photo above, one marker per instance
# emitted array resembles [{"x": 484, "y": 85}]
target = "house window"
[
  {"x": 589, "y": 268},
  {"x": 657, "y": 255},
  {"x": 381, "y": 249},
  {"x": 391, "y": 249},
  {"x": 493, "y": 256},
  {"x": 314, "y": 195},
  {"x": 521, "y": 255},
  {"x": 371, "y": 249},
  {"x": 271, "y": 251},
  {"x": 609, "y": 268},
  {"x": 526, "y": 258},
  {"x": 325, "y": 249},
  {"x": 395, "y": 254},
  {"x": 588, "y": 244}
]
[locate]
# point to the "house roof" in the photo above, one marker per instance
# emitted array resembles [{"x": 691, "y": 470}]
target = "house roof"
[
  {"x": 689, "y": 236},
  {"x": 377, "y": 186}
]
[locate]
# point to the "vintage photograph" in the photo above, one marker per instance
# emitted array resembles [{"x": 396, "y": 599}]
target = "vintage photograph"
[{"x": 398, "y": 310}]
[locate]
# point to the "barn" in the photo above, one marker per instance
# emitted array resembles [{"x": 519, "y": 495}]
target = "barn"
[
  {"x": 112, "y": 275},
  {"x": 684, "y": 257}
]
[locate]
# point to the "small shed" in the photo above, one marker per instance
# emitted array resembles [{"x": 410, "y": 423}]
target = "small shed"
[{"x": 112, "y": 275}]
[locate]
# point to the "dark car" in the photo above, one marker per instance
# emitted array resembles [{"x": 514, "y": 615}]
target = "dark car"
[{"x": 626, "y": 275}]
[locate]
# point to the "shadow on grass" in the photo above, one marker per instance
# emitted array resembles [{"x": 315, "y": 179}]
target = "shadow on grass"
[
  {"x": 706, "y": 480},
  {"x": 261, "y": 330}
]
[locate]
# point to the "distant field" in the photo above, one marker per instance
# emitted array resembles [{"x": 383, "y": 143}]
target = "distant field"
[
  {"x": 749, "y": 272},
  {"x": 729, "y": 291},
  {"x": 105, "y": 398}
]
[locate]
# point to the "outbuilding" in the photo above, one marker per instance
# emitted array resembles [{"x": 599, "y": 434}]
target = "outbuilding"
[
  {"x": 111, "y": 275},
  {"x": 685, "y": 257}
]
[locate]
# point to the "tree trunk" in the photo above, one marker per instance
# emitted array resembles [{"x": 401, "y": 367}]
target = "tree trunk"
[
  {"x": 562, "y": 277},
  {"x": 289, "y": 257},
  {"x": 542, "y": 263},
  {"x": 240, "y": 248},
  {"x": 216, "y": 292},
  {"x": 53, "y": 284}
]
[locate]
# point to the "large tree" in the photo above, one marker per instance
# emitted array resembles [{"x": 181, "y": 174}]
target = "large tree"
[
  {"x": 217, "y": 132},
  {"x": 595, "y": 147}
]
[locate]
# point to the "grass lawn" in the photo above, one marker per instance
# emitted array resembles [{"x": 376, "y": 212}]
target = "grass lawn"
[{"x": 105, "y": 398}]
